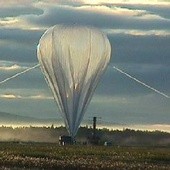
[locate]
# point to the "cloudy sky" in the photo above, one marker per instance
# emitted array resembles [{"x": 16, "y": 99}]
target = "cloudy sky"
[{"x": 139, "y": 33}]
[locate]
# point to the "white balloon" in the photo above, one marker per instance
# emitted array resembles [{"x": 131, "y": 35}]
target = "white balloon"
[{"x": 72, "y": 59}]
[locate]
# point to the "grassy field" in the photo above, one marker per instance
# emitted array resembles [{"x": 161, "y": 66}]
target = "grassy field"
[{"x": 51, "y": 156}]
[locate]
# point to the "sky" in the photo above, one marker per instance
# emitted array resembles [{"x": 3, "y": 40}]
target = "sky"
[{"x": 139, "y": 33}]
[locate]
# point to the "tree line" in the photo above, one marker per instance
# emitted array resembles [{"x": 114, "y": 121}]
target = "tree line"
[{"x": 125, "y": 137}]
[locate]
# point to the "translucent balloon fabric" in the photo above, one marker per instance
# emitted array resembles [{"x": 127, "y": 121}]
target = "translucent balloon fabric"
[{"x": 72, "y": 59}]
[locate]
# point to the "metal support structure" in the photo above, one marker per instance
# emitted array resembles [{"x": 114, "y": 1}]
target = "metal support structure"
[{"x": 94, "y": 127}]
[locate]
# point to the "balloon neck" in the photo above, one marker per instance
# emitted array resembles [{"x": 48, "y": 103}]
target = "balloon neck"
[{"x": 73, "y": 140}]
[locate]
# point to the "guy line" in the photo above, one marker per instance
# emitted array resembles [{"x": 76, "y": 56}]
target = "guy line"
[{"x": 116, "y": 68}]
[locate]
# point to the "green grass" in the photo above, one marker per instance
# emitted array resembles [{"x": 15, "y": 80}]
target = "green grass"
[{"x": 52, "y": 156}]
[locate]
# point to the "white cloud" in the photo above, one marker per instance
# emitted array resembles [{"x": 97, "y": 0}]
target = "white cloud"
[
  {"x": 93, "y": 2},
  {"x": 39, "y": 97},
  {"x": 8, "y": 21},
  {"x": 19, "y": 22},
  {"x": 24, "y": 21},
  {"x": 10, "y": 68},
  {"x": 118, "y": 11},
  {"x": 148, "y": 16},
  {"x": 113, "y": 10},
  {"x": 100, "y": 99},
  {"x": 10, "y": 3},
  {"x": 10, "y": 96},
  {"x": 13, "y": 66},
  {"x": 14, "y": 14},
  {"x": 139, "y": 32},
  {"x": 33, "y": 97}
]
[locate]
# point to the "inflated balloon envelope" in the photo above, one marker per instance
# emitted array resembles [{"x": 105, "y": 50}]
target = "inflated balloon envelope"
[{"x": 72, "y": 59}]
